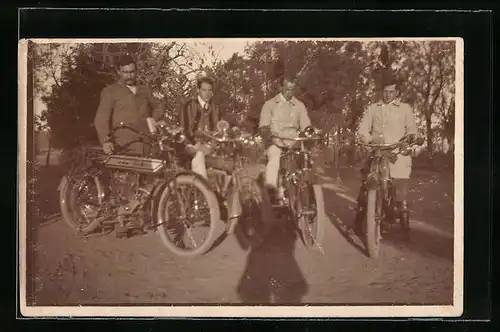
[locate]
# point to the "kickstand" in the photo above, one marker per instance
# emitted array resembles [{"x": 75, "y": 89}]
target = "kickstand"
[{"x": 104, "y": 232}]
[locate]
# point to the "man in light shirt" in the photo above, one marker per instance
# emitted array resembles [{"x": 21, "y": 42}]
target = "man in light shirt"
[
  {"x": 387, "y": 121},
  {"x": 285, "y": 116}
]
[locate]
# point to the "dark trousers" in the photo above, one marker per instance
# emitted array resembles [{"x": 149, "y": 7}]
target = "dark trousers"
[{"x": 401, "y": 186}]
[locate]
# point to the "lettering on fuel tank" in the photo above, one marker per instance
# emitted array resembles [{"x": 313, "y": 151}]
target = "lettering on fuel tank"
[
  {"x": 144, "y": 164},
  {"x": 134, "y": 163}
]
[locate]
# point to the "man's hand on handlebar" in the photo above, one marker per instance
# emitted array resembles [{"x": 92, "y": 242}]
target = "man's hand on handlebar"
[
  {"x": 377, "y": 140},
  {"x": 308, "y": 132},
  {"x": 107, "y": 147}
]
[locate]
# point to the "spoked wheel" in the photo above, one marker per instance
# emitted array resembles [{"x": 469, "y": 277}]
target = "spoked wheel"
[
  {"x": 189, "y": 216},
  {"x": 372, "y": 223},
  {"x": 80, "y": 201},
  {"x": 312, "y": 216}
]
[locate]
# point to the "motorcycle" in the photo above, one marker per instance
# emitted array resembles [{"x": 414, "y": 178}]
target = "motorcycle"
[
  {"x": 234, "y": 171},
  {"x": 302, "y": 199},
  {"x": 377, "y": 208},
  {"x": 142, "y": 193}
]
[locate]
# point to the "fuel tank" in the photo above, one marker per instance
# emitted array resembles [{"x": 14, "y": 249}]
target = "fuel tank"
[{"x": 135, "y": 164}]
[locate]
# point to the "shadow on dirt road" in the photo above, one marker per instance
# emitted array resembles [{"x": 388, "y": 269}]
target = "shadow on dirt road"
[
  {"x": 271, "y": 274},
  {"x": 423, "y": 241}
]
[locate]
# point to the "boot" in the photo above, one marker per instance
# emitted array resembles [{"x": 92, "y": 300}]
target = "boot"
[
  {"x": 358, "y": 221},
  {"x": 121, "y": 230},
  {"x": 404, "y": 215},
  {"x": 403, "y": 206}
]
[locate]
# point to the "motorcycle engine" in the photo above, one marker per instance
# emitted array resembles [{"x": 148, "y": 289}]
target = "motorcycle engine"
[{"x": 128, "y": 190}]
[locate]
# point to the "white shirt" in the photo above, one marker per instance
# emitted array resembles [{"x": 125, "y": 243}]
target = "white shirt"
[
  {"x": 132, "y": 88},
  {"x": 285, "y": 118},
  {"x": 203, "y": 103},
  {"x": 391, "y": 121}
]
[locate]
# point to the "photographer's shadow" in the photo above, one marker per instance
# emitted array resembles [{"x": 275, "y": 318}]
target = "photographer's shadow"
[{"x": 272, "y": 274}]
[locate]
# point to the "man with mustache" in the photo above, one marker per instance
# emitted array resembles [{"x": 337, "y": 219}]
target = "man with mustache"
[{"x": 128, "y": 102}]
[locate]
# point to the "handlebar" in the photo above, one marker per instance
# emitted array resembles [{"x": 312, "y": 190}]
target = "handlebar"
[
  {"x": 298, "y": 139},
  {"x": 380, "y": 145},
  {"x": 390, "y": 146},
  {"x": 124, "y": 126},
  {"x": 213, "y": 137}
]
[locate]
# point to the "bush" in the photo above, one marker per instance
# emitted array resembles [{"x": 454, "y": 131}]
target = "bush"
[
  {"x": 42, "y": 196},
  {"x": 439, "y": 161}
]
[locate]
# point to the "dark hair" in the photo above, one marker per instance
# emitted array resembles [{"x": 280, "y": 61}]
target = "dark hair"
[
  {"x": 125, "y": 60},
  {"x": 287, "y": 78},
  {"x": 206, "y": 80},
  {"x": 390, "y": 80}
]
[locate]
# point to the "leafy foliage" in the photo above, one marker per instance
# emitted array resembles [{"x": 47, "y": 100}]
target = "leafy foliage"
[{"x": 336, "y": 80}]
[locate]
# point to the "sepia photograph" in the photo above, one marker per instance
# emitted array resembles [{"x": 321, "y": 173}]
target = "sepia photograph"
[{"x": 235, "y": 177}]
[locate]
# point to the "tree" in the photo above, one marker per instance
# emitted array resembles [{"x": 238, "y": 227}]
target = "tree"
[
  {"x": 429, "y": 70},
  {"x": 336, "y": 80},
  {"x": 80, "y": 75},
  {"x": 41, "y": 125}
]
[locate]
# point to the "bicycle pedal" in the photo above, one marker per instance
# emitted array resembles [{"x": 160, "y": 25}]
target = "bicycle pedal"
[
  {"x": 308, "y": 212},
  {"x": 133, "y": 225},
  {"x": 122, "y": 235}
]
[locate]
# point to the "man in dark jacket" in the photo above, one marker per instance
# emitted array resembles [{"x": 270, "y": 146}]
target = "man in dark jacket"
[
  {"x": 201, "y": 113},
  {"x": 125, "y": 101}
]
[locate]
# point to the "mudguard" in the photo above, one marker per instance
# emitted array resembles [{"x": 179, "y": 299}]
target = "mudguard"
[
  {"x": 62, "y": 183},
  {"x": 65, "y": 178},
  {"x": 157, "y": 191},
  {"x": 196, "y": 175}
]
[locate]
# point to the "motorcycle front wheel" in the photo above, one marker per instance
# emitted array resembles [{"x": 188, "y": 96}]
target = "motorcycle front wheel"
[
  {"x": 186, "y": 205},
  {"x": 312, "y": 219},
  {"x": 372, "y": 223}
]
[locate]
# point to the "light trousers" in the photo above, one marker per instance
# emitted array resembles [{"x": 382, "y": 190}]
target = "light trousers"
[
  {"x": 273, "y": 165},
  {"x": 198, "y": 162}
]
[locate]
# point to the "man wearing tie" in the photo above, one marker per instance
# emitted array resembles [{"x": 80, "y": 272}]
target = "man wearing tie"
[{"x": 200, "y": 113}]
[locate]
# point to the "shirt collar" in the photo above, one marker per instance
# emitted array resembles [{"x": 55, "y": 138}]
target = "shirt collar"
[
  {"x": 281, "y": 99},
  {"x": 137, "y": 87},
  {"x": 132, "y": 88},
  {"x": 202, "y": 102},
  {"x": 395, "y": 102}
]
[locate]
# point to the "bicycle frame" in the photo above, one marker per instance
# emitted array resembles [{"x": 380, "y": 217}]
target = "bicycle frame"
[
  {"x": 295, "y": 181},
  {"x": 229, "y": 190},
  {"x": 378, "y": 175}
]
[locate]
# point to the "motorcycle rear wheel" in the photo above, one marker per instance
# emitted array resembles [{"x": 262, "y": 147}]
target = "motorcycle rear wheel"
[
  {"x": 216, "y": 225},
  {"x": 69, "y": 193}
]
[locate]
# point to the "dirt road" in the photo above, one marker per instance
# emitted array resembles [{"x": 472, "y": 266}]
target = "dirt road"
[{"x": 106, "y": 270}]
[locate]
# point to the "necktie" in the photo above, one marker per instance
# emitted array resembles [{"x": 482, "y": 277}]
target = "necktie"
[{"x": 205, "y": 116}]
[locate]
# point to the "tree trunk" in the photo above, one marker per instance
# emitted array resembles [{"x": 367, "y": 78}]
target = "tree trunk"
[
  {"x": 47, "y": 160},
  {"x": 430, "y": 137}
]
